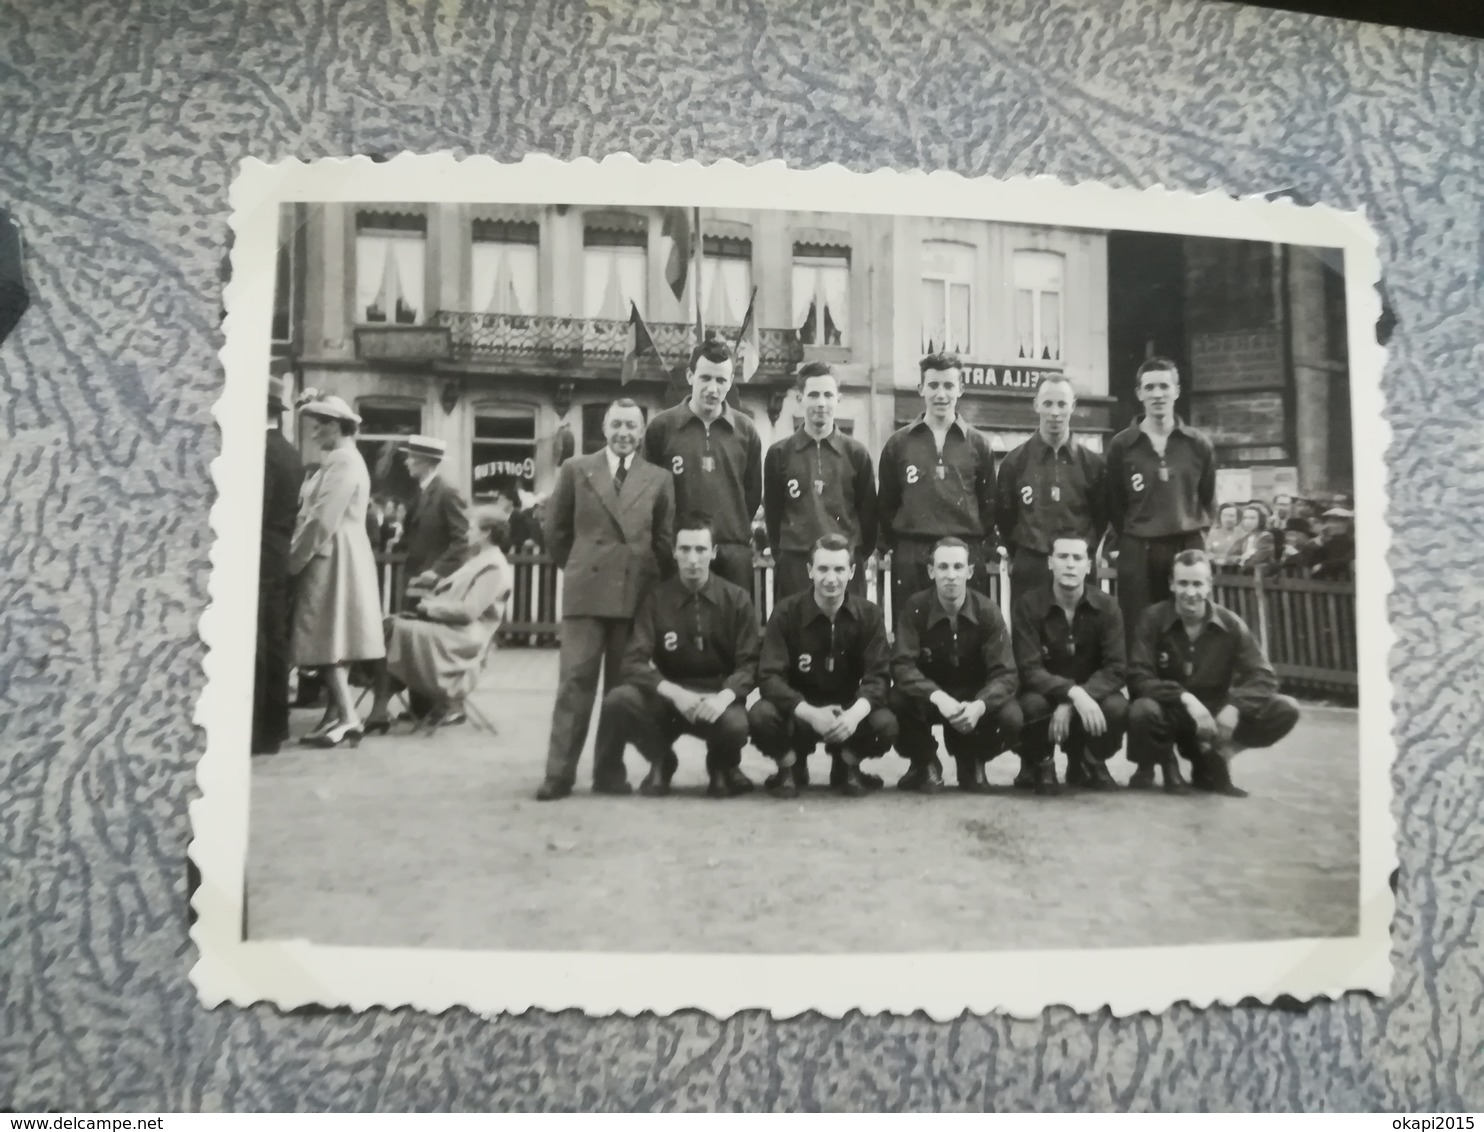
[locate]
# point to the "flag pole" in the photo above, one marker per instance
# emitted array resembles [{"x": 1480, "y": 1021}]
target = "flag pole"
[{"x": 699, "y": 262}]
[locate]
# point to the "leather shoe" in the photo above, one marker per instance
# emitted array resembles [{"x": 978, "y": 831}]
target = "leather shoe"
[
  {"x": 615, "y": 787},
  {"x": 850, "y": 783},
  {"x": 1046, "y": 784},
  {"x": 1174, "y": 781},
  {"x": 914, "y": 778},
  {"x": 932, "y": 780},
  {"x": 1143, "y": 777},
  {"x": 717, "y": 786},
  {"x": 1097, "y": 775},
  {"x": 1026, "y": 779},
  {"x": 553, "y": 790},
  {"x": 801, "y": 773},
  {"x": 1213, "y": 774},
  {"x": 782, "y": 784},
  {"x": 1077, "y": 770},
  {"x": 971, "y": 777},
  {"x": 656, "y": 783},
  {"x": 738, "y": 783}
]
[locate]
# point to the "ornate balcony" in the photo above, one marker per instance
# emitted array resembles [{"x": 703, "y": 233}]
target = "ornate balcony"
[{"x": 516, "y": 338}]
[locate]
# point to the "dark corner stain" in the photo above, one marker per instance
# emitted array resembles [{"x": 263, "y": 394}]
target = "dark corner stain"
[
  {"x": 1395, "y": 879},
  {"x": 193, "y": 882},
  {"x": 379, "y": 158},
  {"x": 1386, "y": 324},
  {"x": 1287, "y": 1003}
]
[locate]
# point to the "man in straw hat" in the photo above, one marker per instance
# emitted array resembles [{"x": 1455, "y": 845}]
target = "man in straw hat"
[{"x": 283, "y": 475}]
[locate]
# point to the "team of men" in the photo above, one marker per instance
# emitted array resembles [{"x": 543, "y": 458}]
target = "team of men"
[{"x": 679, "y": 640}]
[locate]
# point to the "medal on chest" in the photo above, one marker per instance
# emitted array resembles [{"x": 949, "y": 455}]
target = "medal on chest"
[
  {"x": 1164, "y": 472},
  {"x": 708, "y": 463},
  {"x": 819, "y": 487},
  {"x": 941, "y": 472},
  {"x": 1056, "y": 493}
]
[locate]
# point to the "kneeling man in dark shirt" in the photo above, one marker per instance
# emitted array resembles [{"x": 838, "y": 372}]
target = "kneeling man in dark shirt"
[
  {"x": 953, "y": 665},
  {"x": 823, "y": 677},
  {"x": 1069, "y": 647},
  {"x": 1201, "y": 685}
]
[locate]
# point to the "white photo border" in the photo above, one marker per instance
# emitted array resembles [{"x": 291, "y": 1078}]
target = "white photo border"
[{"x": 293, "y": 973}]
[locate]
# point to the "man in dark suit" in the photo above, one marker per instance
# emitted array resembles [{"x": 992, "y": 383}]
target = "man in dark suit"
[
  {"x": 609, "y": 524},
  {"x": 437, "y": 539},
  {"x": 283, "y": 474}
]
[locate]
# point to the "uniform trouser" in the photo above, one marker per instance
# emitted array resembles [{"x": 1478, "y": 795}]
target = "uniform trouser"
[
  {"x": 1144, "y": 566},
  {"x": 734, "y": 563},
  {"x": 1035, "y": 734},
  {"x": 775, "y": 733},
  {"x": 588, "y": 644},
  {"x": 650, "y": 722},
  {"x": 270, "y": 702},
  {"x": 910, "y": 559},
  {"x": 998, "y": 731},
  {"x": 791, "y": 575},
  {"x": 1156, "y": 730}
]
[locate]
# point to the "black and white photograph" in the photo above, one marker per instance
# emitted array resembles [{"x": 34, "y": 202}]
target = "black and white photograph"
[{"x": 644, "y": 586}]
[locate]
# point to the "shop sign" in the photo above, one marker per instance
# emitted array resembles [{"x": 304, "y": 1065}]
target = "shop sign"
[
  {"x": 521, "y": 469},
  {"x": 988, "y": 376}
]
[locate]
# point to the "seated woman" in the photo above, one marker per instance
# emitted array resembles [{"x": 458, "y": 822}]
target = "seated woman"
[
  {"x": 1225, "y": 536},
  {"x": 436, "y": 648},
  {"x": 1259, "y": 547}
]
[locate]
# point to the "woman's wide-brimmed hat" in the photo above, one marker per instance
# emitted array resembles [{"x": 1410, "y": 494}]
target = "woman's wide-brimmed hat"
[{"x": 331, "y": 408}]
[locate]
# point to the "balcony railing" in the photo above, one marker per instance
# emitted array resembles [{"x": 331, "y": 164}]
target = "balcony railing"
[{"x": 488, "y": 337}]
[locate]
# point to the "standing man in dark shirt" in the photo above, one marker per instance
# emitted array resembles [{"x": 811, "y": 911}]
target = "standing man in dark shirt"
[
  {"x": 953, "y": 666},
  {"x": 823, "y": 675},
  {"x": 1051, "y": 483},
  {"x": 937, "y": 481},
  {"x": 716, "y": 458},
  {"x": 1069, "y": 649},
  {"x": 818, "y": 482},
  {"x": 690, "y": 666},
  {"x": 283, "y": 475},
  {"x": 1161, "y": 491},
  {"x": 1201, "y": 685}
]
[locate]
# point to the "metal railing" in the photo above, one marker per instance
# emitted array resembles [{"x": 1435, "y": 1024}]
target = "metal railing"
[
  {"x": 1307, "y": 628},
  {"x": 484, "y": 336}
]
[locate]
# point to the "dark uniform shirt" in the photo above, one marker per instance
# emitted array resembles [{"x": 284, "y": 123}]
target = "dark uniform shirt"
[
  {"x": 1155, "y": 496},
  {"x": 967, "y": 656},
  {"x": 1224, "y": 664},
  {"x": 814, "y": 487},
  {"x": 1040, "y": 491},
  {"x": 809, "y": 657},
  {"x": 717, "y": 469},
  {"x": 927, "y": 495},
  {"x": 704, "y": 641},
  {"x": 1055, "y": 657}
]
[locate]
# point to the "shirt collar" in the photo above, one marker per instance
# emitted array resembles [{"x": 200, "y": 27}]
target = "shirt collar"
[
  {"x": 969, "y": 610},
  {"x": 1212, "y": 619},
  {"x": 422, "y": 484},
  {"x": 711, "y": 591},
  {"x": 921, "y": 422},
  {"x": 1039, "y": 445},
  {"x": 613, "y": 459},
  {"x": 725, "y": 415},
  {"x": 802, "y": 439},
  {"x": 812, "y": 611},
  {"x": 1137, "y": 427}
]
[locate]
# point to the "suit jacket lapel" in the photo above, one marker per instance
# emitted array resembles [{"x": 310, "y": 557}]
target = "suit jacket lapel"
[
  {"x": 602, "y": 483},
  {"x": 635, "y": 487}
]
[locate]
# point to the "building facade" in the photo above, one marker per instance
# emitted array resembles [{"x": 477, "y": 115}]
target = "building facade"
[{"x": 501, "y": 328}]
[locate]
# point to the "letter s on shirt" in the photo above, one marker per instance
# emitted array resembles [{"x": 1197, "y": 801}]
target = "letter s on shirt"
[
  {"x": 1027, "y": 494},
  {"x": 912, "y": 473},
  {"x": 793, "y": 489},
  {"x": 677, "y": 465},
  {"x": 806, "y": 662},
  {"x": 1136, "y": 481},
  {"x": 672, "y": 639}
]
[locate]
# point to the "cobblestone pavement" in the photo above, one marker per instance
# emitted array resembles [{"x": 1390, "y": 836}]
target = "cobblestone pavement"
[{"x": 437, "y": 841}]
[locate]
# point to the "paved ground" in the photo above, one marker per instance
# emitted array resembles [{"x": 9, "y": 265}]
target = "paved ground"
[{"x": 438, "y": 842}]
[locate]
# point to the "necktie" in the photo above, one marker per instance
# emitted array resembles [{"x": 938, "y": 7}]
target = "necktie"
[{"x": 622, "y": 474}]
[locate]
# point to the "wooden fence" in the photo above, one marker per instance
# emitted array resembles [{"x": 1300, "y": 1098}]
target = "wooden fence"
[{"x": 1307, "y": 628}]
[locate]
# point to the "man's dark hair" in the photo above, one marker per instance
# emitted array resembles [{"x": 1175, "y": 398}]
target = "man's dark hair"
[
  {"x": 696, "y": 521},
  {"x": 1192, "y": 558},
  {"x": 951, "y": 542},
  {"x": 713, "y": 350},
  {"x": 816, "y": 369},
  {"x": 1079, "y": 536},
  {"x": 1152, "y": 365},
  {"x": 1298, "y": 525},
  {"x": 938, "y": 361},
  {"x": 828, "y": 542}
]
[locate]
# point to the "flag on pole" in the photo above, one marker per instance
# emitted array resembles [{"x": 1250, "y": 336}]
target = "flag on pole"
[
  {"x": 638, "y": 343},
  {"x": 749, "y": 345},
  {"x": 677, "y": 267}
]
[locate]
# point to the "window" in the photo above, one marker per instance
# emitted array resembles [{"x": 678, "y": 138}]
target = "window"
[
  {"x": 1038, "y": 291},
  {"x": 821, "y": 285},
  {"x": 504, "y": 258},
  {"x": 615, "y": 264},
  {"x": 947, "y": 296},
  {"x": 504, "y": 449},
  {"x": 283, "y": 288},
  {"x": 389, "y": 267},
  {"x": 726, "y": 280},
  {"x": 383, "y": 424}
]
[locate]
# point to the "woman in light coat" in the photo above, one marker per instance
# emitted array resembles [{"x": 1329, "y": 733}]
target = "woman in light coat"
[
  {"x": 337, "y": 606},
  {"x": 436, "y": 649}
]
